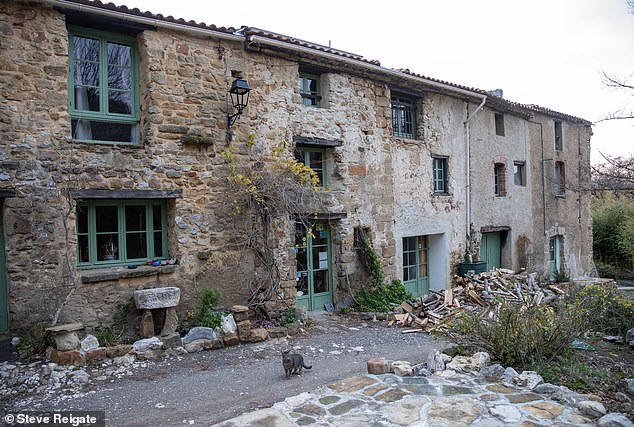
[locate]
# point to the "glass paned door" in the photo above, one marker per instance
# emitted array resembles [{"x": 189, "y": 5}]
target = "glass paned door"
[
  {"x": 555, "y": 259},
  {"x": 313, "y": 273},
  {"x": 415, "y": 276}
]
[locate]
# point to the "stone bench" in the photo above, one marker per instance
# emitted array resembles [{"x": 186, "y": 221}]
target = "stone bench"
[{"x": 165, "y": 298}]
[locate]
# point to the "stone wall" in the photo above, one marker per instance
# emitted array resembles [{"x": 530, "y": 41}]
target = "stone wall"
[{"x": 374, "y": 180}]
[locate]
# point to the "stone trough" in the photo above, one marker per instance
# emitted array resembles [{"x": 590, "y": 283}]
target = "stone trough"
[{"x": 165, "y": 298}]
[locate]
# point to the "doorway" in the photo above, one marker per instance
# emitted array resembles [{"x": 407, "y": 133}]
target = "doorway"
[
  {"x": 555, "y": 246},
  {"x": 313, "y": 265},
  {"x": 415, "y": 268},
  {"x": 491, "y": 249}
]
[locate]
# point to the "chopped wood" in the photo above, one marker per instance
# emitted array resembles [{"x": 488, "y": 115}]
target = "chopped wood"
[{"x": 448, "y": 296}]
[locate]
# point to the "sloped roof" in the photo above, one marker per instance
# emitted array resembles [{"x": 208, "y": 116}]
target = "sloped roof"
[{"x": 525, "y": 110}]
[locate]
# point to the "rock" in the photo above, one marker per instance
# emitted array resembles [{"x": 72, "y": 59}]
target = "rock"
[
  {"x": 171, "y": 340},
  {"x": 146, "y": 328},
  {"x": 73, "y": 357},
  {"x": 469, "y": 364},
  {"x": 508, "y": 375},
  {"x": 195, "y": 346},
  {"x": 118, "y": 350},
  {"x": 125, "y": 360},
  {"x": 90, "y": 342},
  {"x": 629, "y": 336},
  {"x": 622, "y": 397},
  {"x": 66, "y": 341},
  {"x": 547, "y": 389},
  {"x": 79, "y": 377},
  {"x": 231, "y": 339},
  {"x": 377, "y": 366},
  {"x": 200, "y": 332},
  {"x": 278, "y": 332},
  {"x": 626, "y": 386},
  {"x": 591, "y": 408},
  {"x": 528, "y": 379},
  {"x": 481, "y": 359},
  {"x": 171, "y": 321},
  {"x": 258, "y": 335},
  {"x": 614, "y": 420},
  {"x": 509, "y": 414},
  {"x": 149, "y": 299},
  {"x": 15, "y": 341},
  {"x": 213, "y": 344},
  {"x": 293, "y": 328},
  {"x": 143, "y": 346},
  {"x": 436, "y": 361},
  {"x": 244, "y": 330},
  {"x": 228, "y": 324},
  {"x": 492, "y": 372},
  {"x": 421, "y": 370},
  {"x": 95, "y": 356},
  {"x": 240, "y": 313},
  {"x": 401, "y": 368}
]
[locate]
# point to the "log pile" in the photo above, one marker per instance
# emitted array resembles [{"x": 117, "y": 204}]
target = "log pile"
[{"x": 472, "y": 292}]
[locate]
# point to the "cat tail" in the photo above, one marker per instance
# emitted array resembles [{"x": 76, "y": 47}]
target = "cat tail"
[{"x": 306, "y": 367}]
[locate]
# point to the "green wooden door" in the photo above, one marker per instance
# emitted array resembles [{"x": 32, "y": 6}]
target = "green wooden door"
[
  {"x": 4, "y": 308},
  {"x": 312, "y": 257},
  {"x": 491, "y": 250},
  {"x": 554, "y": 248},
  {"x": 415, "y": 277}
]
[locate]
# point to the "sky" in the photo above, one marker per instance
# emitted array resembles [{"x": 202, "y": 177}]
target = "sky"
[{"x": 546, "y": 52}]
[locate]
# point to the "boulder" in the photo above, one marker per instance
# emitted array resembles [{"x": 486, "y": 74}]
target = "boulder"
[
  {"x": 258, "y": 335},
  {"x": 401, "y": 368},
  {"x": 195, "y": 346},
  {"x": 436, "y": 361},
  {"x": 96, "y": 355},
  {"x": 629, "y": 337},
  {"x": 626, "y": 386},
  {"x": 67, "y": 341},
  {"x": 150, "y": 299},
  {"x": 125, "y": 360},
  {"x": 469, "y": 364},
  {"x": 228, "y": 324},
  {"x": 377, "y": 366},
  {"x": 231, "y": 339},
  {"x": 118, "y": 350},
  {"x": 90, "y": 342},
  {"x": 614, "y": 420},
  {"x": 528, "y": 379},
  {"x": 508, "y": 375},
  {"x": 591, "y": 408},
  {"x": 172, "y": 340},
  {"x": 278, "y": 332},
  {"x": 145, "y": 345},
  {"x": 240, "y": 313},
  {"x": 199, "y": 333},
  {"x": 492, "y": 373}
]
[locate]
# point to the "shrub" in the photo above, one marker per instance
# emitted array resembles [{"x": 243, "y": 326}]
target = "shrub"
[
  {"x": 520, "y": 335},
  {"x": 609, "y": 310},
  {"x": 207, "y": 312},
  {"x": 34, "y": 342},
  {"x": 106, "y": 336},
  {"x": 605, "y": 270},
  {"x": 289, "y": 315},
  {"x": 383, "y": 298}
]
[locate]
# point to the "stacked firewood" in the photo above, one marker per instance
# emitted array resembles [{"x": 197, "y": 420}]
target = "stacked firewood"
[{"x": 472, "y": 292}]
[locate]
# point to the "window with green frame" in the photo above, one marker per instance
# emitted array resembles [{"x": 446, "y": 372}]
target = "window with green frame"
[
  {"x": 114, "y": 232},
  {"x": 403, "y": 116},
  {"x": 103, "y": 86},
  {"x": 314, "y": 158},
  {"x": 309, "y": 89},
  {"x": 441, "y": 177}
]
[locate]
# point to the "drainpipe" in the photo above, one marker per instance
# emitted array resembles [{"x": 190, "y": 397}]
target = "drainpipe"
[{"x": 468, "y": 163}]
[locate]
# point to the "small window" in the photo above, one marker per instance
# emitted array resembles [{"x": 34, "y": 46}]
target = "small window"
[
  {"x": 315, "y": 159},
  {"x": 500, "y": 179},
  {"x": 309, "y": 88},
  {"x": 559, "y": 143},
  {"x": 103, "y": 89},
  {"x": 519, "y": 174},
  {"x": 440, "y": 175},
  {"x": 560, "y": 179},
  {"x": 403, "y": 117},
  {"x": 115, "y": 232},
  {"x": 499, "y": 124}
]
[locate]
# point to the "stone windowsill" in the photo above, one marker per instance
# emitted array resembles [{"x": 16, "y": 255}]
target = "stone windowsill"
[{"x": 118, "y": 273}]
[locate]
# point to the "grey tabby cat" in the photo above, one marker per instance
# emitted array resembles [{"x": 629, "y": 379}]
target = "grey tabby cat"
[{"x": 293, "y": 363}]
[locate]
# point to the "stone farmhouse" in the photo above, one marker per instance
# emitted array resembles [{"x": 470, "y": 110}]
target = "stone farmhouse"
[{"x": 120, "y": 138}]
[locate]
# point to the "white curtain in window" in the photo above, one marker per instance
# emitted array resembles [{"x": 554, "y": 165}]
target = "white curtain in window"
[{"x": 82, "y": 130}]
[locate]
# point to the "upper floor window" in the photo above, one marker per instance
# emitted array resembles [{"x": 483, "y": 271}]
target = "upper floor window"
[
  {"x": 499, "y": 124},
  {"x": 115, "y": 232},
  {"x": 314, "y": 158},
  {"x": 499, "y": 172},
  {"x": 309, "y": 88},
  {"x": 519, "y": 174},
  {"x": 403, "y": 116},
  {"x": 560, "y": 179},
  {"x": 440, "y": 175},
  {"x": 103, "y": 86},
  {"x": 559, "y": 143}
]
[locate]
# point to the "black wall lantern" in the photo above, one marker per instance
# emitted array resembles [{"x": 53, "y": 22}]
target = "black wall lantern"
[{"x": 239, "y": 93}]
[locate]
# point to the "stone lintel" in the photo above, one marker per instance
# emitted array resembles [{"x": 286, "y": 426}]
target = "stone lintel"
[
  {"x": 127, "y": 194},
  {"x": 309, "y": 141}
]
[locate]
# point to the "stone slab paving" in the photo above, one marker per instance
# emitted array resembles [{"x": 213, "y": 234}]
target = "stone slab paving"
[{"x": 458, "y": 400}]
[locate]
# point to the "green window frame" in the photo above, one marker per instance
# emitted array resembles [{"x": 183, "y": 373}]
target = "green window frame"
[
  {"x": 314, "y": 158},
  {"x": 103, "y": 86},
  {"x": 440, "y": 175},
  {"x": 309, "y": 89},
  {"x": 403, "y": 116},
  {"x": 119, "y": 232}
]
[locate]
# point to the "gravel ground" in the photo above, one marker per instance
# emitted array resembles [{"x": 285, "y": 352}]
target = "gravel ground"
[{"x": 212, "y": 386}]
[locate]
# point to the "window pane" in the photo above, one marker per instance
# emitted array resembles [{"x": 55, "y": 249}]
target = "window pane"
[
  {"x": 119, "y": 54},
  {"x": 302, "y": 282},
  {"x": 86, "y": 73},
  {"x": 157, "y": 219},
  {"x": 107, "y": 248},
  {"x": 82, "y": 243},
  {"x": 106, "y": 219},
  {"x": 119, "y": 77},
  {"x": 85, "y": 48},
  {"x": 120, "y": 102},
  {"x": 158, "y": 244},
  {"x": 136, "y": 245},
  {"x": 301, "y": 259},
  {"x": 92, "y": 130},
  {"x": 135, "y": 218},
  {"x": 87, "y": 98},
  {"x": 320, "y": 279},
  {"x": 82, "y": 219}
]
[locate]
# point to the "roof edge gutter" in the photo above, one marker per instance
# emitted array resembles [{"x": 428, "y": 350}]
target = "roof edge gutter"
[
  {"x": 142, "y": 20},
  {"x": 371, "y": 67}
]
